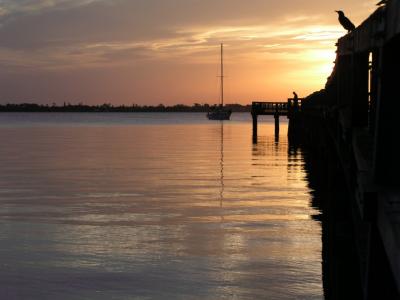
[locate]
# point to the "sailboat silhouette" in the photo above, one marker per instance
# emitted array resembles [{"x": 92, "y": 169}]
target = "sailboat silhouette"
[{"x": 220, "y": 112}]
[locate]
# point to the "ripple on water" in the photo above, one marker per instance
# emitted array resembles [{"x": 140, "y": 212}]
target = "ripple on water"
[{"x": 121, "y": 208}]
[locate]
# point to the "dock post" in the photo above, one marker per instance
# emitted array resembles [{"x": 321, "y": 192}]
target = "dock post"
[
  {"x": 254, "y": 115},
  {"x": 276, "y": 116},
  {"x": 387, "y": 160},
  {"x": 360, "y": 97}
]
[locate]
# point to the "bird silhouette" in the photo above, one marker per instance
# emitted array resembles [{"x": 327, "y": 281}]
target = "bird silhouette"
[{"x": 345, "y": 22}]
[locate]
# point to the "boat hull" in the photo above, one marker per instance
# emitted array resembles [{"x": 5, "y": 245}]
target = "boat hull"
[{"x": 219, "y": 114}]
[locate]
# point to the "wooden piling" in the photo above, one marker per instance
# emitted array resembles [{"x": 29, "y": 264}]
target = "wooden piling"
[
  {"x": 387, "y": 159},
  {"x": 255, "y": 134},
  {"x": 276, "y": 117},
  {"x": 360, "y": 98}
]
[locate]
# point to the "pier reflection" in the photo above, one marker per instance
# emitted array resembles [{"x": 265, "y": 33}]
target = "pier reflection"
[
  {"x": 259, "y": 147},
  {"x": 339, "y": 267},
  {"x": 267, "y": 145}
]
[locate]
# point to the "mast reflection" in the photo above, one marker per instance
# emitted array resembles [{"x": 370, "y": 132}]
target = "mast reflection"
[{"x": 221, "y": 193}]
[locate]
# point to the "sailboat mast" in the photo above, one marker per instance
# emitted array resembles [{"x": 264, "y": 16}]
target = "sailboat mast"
[
  {"x": 222, "y": 74},
  {"x": 220, "y": 112}
]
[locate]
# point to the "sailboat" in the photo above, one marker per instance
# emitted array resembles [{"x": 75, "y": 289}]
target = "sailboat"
[{"x": 220, "y": 112}]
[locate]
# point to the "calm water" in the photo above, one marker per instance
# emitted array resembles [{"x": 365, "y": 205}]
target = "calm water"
[{"x": 153, "y": 206}]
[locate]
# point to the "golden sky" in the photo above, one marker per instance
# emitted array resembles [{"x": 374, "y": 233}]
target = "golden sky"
[{"x": 167, "y": 51}]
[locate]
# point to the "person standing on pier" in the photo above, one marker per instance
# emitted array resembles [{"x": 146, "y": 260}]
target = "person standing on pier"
[{"x": 295, "y": 101}]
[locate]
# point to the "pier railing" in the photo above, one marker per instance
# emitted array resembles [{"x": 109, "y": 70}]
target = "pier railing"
[
  {"x": 269, "y": 108},
  {"x": 274, "y": 108}
]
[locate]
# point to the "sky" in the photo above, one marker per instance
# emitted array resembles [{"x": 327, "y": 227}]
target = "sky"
[{"x": 167, "y": 51}]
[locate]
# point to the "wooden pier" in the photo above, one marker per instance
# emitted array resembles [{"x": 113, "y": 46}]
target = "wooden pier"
[
  {"x": 355, "y": 119},
  {"x": 276, "y": 109}
]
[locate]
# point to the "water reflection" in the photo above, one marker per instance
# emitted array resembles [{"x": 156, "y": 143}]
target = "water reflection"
[
  {"x": 272, "y": 152},
  {"x": 259, "y": 148},
  {"x": 163, "y": 212},
  {"x": 222, "y": 164},
  {"x": 339, "y": 265},
  {"x": 269, "y": 144}
]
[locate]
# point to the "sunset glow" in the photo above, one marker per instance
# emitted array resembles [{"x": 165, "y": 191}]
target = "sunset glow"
[{"x": 164, "y": 51}]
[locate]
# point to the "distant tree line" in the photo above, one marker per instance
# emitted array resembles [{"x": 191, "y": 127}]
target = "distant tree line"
[{"x": 107, "y": 107}]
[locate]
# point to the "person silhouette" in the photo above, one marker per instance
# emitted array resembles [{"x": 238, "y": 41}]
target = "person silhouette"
[{"x": 295, "y": 99}]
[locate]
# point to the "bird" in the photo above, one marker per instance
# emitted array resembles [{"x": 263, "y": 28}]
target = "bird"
[{"x": 345, "y": 22}]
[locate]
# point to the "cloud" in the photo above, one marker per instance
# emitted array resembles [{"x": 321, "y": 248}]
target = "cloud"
[
  {"x": 10, "y": 7},
  {"x": 190, "y": 45},
  {"x": 79, "y": 36}
]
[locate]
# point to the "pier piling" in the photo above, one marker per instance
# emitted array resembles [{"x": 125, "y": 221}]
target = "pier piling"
[
  {"x": 255, "y": 117},
  {"x": 276, "y": 117}
]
